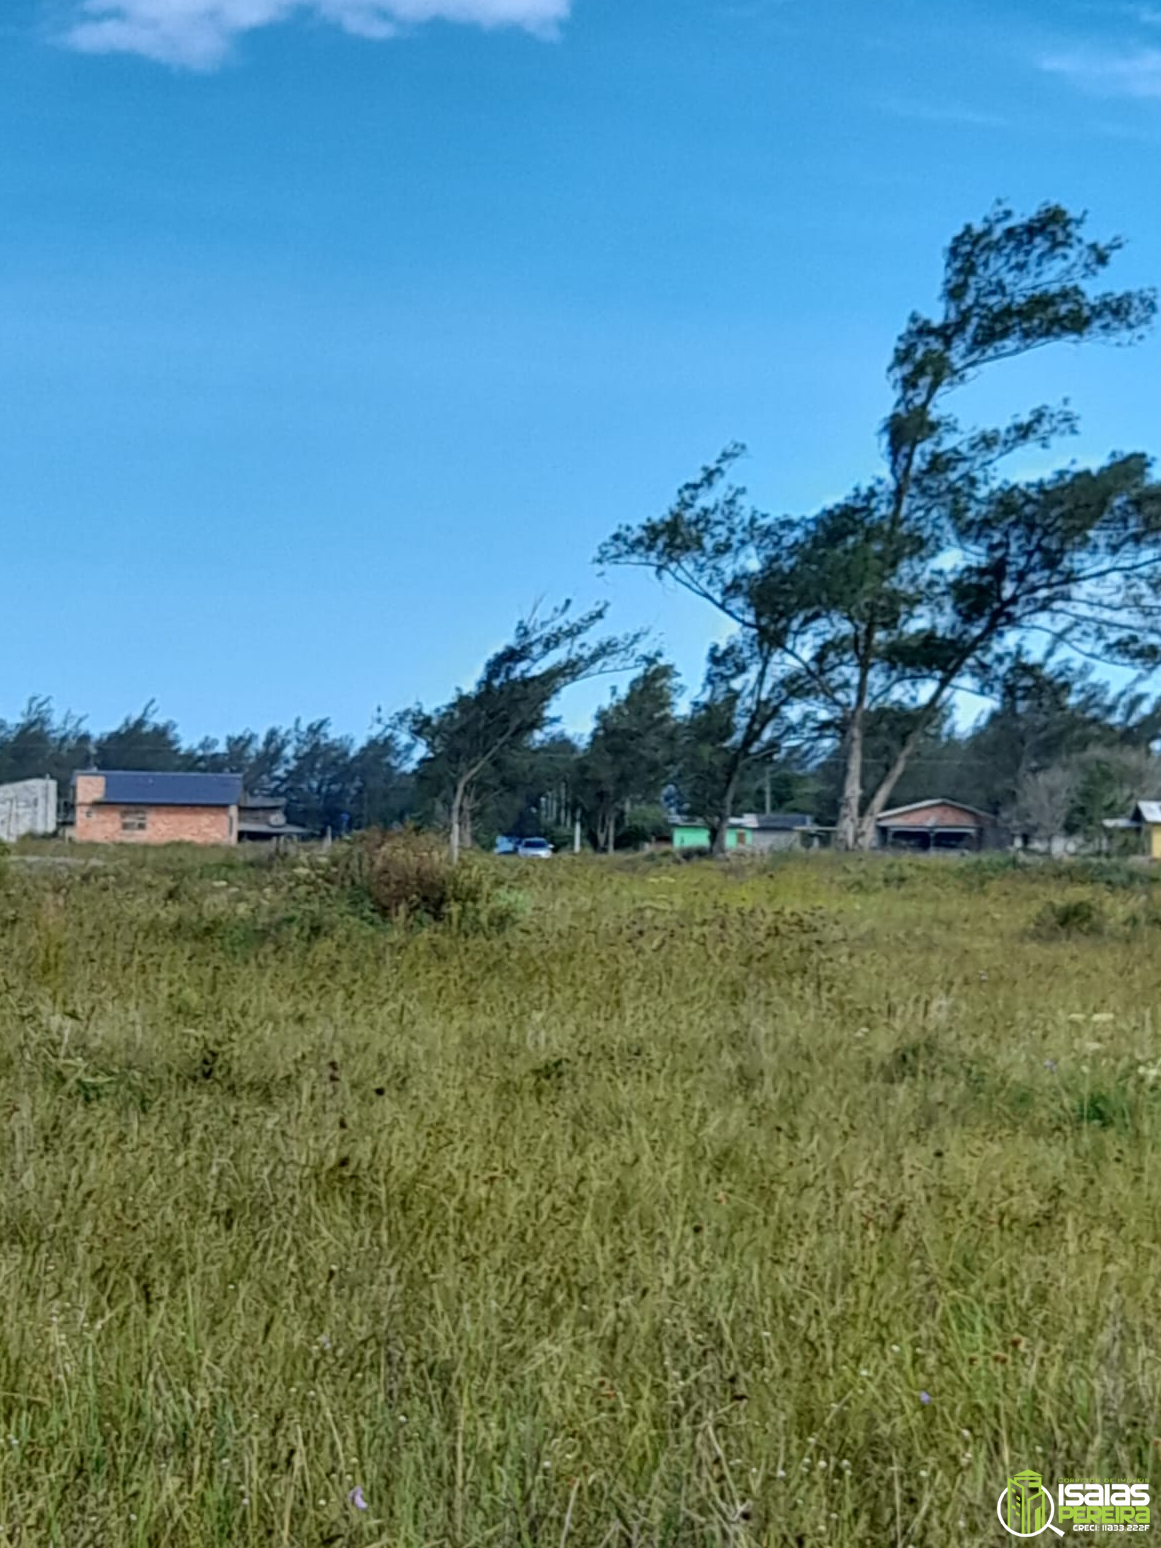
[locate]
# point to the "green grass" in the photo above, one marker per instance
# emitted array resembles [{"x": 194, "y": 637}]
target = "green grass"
[{"x": 645, "y": 1220}]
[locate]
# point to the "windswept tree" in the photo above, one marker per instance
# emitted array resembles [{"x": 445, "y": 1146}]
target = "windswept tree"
[
  {"x": 39, "y": 746},
  {"x": 630, "y": 757},
  {"x": 509, "y": 705},
  {"x": 714, "y": 544},
  {"x": 735, "y": 725},
  {"x": 919, "y": 583}
]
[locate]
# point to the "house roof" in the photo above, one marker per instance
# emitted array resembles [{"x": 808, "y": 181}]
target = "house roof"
[
  {"x": 267, "y": 830},
  {"x": 918, "y": 806},
  {"x": 123, "y": 788},
  {"x": 1147, "y": 811}
]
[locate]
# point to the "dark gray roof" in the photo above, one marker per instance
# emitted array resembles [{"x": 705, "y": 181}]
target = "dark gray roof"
[
  {"x": 173, "y": 789},
  {"x": 267, "y": 830},
  {"x": 780, "y": 821}
]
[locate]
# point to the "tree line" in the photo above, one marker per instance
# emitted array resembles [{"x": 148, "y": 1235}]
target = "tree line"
[{"x": 851, "y": 632}]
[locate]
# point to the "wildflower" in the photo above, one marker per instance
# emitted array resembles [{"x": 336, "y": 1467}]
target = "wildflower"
[
  {"x": 925, "y": 1397},
  {"x": 1051, "y": 1066},
  {"x": 894, "y": 1348},
  {"x": 822, "y": 1465},
  {"x": 845, "y": 1465},
  {"x": 864, "y": 1371},
  {"x": 781, "y": 1473}
]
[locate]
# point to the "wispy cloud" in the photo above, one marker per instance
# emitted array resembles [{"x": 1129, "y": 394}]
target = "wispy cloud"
[
  {"x": 944, "y": 113},
  {"x": 1136, "y": 73},
  {"x": 198, "y": 34}
]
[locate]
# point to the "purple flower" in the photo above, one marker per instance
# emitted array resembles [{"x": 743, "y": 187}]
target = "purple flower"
[
  {"x": 925, "y": 1397},
  {"x": 356, "y": 1497}
]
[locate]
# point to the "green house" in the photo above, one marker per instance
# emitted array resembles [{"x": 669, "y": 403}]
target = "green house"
[{"x": 695, "y": 835}]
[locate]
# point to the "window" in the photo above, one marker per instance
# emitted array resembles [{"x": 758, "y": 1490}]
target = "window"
[{"x": 133, "y": 821}]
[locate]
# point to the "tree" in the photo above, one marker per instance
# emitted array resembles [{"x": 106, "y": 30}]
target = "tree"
[
  {"x": 960, "y": 559},
  {"x": 1043, "y": 803},
  {"x": 713, "y": 544},
  {"x": 917, "y": 584},
  {"x": 733, "y": 727},
  {"x": 630, "y": 756},
  {"x": 143, "y": 744},
  {"x": 508, "y": 706},
  {"x": 39, "y": 747}
]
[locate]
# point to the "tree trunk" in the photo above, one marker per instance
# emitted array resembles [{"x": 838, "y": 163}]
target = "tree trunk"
[
  {"x": 720, "y": 831},
  {"x": 847, "y": 833},
  {"x": 457, "y": 812}
]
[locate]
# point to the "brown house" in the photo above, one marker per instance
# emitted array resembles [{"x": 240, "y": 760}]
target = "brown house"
[
  {"x": 937, "y": 824},
  {"x": 128, "y": 808}
]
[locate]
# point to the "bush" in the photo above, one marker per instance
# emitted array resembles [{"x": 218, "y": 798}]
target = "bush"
[
  {"x": 408, "y": 878},
  {"x": 1061, "y": 921}
]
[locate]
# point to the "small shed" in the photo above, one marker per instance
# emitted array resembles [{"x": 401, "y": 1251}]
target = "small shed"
[
  {"x": 753, "y": 833},
  {"x": 776, "y": 832},
  {"x": 28, "y": 807},
  {"x": 262, "y": 820},
  {"x": 690, "y": 834},
  {"x": 1146, "y": 820},
  {"x": 936, "y": 824}
]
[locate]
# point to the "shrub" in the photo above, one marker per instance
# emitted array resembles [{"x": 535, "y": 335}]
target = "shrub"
[
  {"x": 408, "y": 877},
  {"x": 1078, "y": 916}
]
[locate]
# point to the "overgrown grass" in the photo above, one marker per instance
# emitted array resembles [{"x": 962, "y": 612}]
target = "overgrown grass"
[{"x": 647, "y": 1219}]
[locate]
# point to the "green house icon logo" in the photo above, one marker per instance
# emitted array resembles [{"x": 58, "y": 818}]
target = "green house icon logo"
[{"x": 1025, "y": 1508}]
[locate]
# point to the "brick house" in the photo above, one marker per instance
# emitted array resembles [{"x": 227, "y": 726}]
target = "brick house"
[
  {"x": 938, "y": 824},
  {"x": 127, "y": 808}
]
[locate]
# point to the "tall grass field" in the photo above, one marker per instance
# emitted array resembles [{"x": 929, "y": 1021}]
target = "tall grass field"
[{"x": 636, "y": 1203}]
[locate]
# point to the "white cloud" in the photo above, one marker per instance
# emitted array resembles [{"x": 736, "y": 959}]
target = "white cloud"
[
  {"x": 1136, "y": 74},
  {"x": 951, "y": 113},
  {"x": 198, "y": 34}
]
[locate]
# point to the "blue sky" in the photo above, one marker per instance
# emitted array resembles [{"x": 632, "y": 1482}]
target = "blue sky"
[{"x": 335, "y": 334}]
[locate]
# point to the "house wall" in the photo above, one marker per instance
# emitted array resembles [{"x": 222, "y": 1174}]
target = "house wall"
[
  {"x": 98, "y": 824},
  {"x": 699, "y": 838},
  {"x": 1154, "y": 832},
  {"x": 776, "y": 840},
  {"x": 27, "y": 807}
]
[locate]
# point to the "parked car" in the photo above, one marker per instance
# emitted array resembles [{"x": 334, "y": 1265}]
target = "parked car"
[
  {"x": 506, "y": 845},
  {"x": 534, "y": 849}
]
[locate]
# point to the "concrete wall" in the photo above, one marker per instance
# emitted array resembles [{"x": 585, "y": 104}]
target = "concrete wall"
[
  {"x": 99, "y": 824},
  {"x": 27, "y": 807}
]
